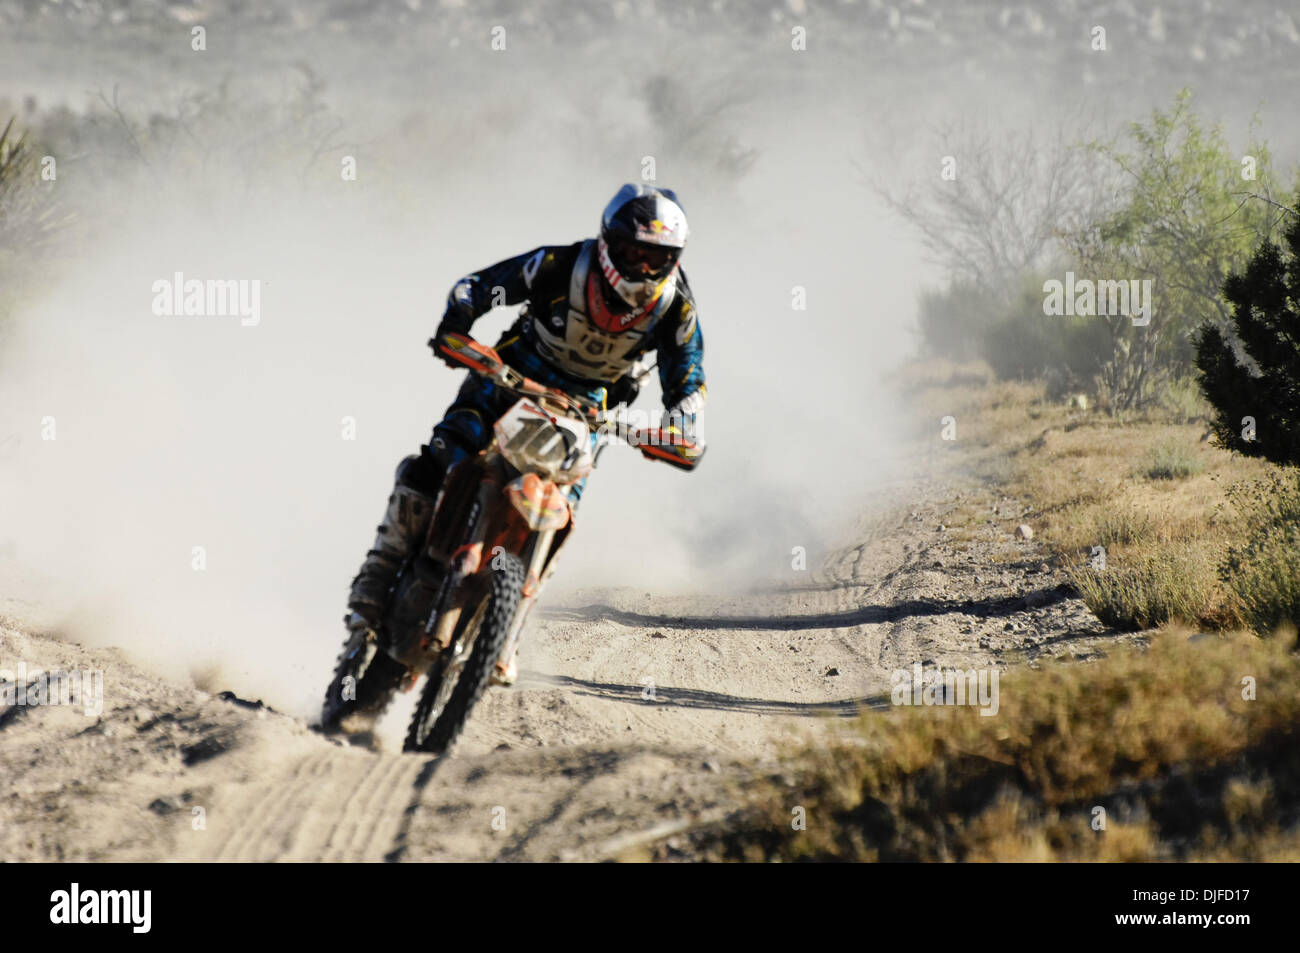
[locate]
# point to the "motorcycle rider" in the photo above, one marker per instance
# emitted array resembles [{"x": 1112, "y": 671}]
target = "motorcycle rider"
[{"x": 592, "y": 312}]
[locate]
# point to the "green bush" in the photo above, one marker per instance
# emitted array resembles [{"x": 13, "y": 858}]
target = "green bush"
[
  {"x": 953, "y": 321},
  {"x": 1263, "y": 383},
  {"x": 966, "y": 322},
  {"x": 1026, "y": 344}
]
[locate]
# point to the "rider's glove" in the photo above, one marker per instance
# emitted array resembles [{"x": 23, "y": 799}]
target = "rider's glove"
[
  {"x": 449, "y": 328},
  {"x": 691, "y": 404},
  {"x": 437, "y": 343},
  {"x": 457, "y": 319},
  {"x": 460, "y": 351},
  {"x": 682, "y": 416}
]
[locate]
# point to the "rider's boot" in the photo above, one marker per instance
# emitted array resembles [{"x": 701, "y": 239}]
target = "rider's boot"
[{"x": 406, "y": 520}]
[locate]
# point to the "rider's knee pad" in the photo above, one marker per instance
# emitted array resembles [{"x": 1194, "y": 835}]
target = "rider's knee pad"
[
  {"x": 424, "y": 473},
  {"x": 463, "y": 430},
  {"x": 421, "y": 472}
]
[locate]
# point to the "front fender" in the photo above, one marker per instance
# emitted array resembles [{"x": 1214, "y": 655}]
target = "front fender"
[{"x": 540, "y": 502}]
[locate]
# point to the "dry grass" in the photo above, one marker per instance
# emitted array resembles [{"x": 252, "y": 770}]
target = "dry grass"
[
  {"x": 1171, "y": 460},
  {"x": 1168, "y": 584},
  {"x": 1163, "y": 741},
  {"x": 1262, "y": 573},
  {"x": 1147, "y": 488}
]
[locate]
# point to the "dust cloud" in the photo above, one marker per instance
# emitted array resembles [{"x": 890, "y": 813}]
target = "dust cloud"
[{"x": 200, "y": 506}]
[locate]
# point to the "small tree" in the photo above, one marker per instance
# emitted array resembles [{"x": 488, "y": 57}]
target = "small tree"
[
  {"x": 1253, "y": 384},
  {"x": 1178, "y": 218}
]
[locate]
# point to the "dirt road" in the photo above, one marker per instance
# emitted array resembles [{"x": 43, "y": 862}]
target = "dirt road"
[{"x": 636, "y": 715}]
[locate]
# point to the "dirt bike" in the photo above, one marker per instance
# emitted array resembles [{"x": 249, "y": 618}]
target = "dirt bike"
[{"x": 459, "y": 603}]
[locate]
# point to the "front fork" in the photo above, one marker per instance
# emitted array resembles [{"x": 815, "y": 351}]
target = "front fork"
[
  {"x": 539, "y": 571},
  {"x": 541, "y": 566},
  {"x": 468, "y": 559},
  {"x": 462, "y": 566}
]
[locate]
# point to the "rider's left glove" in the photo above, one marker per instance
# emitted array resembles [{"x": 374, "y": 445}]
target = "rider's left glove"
[{"x": 682, "y": 416}]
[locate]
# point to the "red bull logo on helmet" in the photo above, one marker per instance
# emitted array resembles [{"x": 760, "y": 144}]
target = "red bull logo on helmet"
[{"x": 666, "y": 230}]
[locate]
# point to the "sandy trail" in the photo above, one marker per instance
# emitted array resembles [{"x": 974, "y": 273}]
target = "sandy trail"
[{"x": 636, "y": 716}]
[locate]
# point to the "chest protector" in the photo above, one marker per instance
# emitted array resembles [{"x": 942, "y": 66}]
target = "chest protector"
[{"x": 583, "y": 338}]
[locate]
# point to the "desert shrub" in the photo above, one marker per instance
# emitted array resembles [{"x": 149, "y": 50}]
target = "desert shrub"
[
  {"x": 1115, "y": 527},
  {"x": 967, "y": 322},
  {"x": 1025, "y": 344},
  {"x": 1167, "y": 585},
  {"x": 1183, "y": 401},
  {"x": 1263, "y": 573},
  {"x": 1170, "y": 460},
  {"x": 953, "y": 321}
]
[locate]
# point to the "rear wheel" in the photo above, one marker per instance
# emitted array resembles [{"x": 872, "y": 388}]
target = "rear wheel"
[{"x": 457, "y": 679}]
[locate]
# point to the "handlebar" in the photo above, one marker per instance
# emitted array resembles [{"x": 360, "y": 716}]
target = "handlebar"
[
  {"x": 663, "y": 444},
  {"x": 485, "y": 361}
]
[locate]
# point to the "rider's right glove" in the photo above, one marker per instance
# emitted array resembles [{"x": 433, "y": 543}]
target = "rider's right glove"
[
  {"x": 460, "y": 351},
  {"x": 457, "y": 319}
]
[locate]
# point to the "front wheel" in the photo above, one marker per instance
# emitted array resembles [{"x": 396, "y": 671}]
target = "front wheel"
[{"x": 452, "y": 688}]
